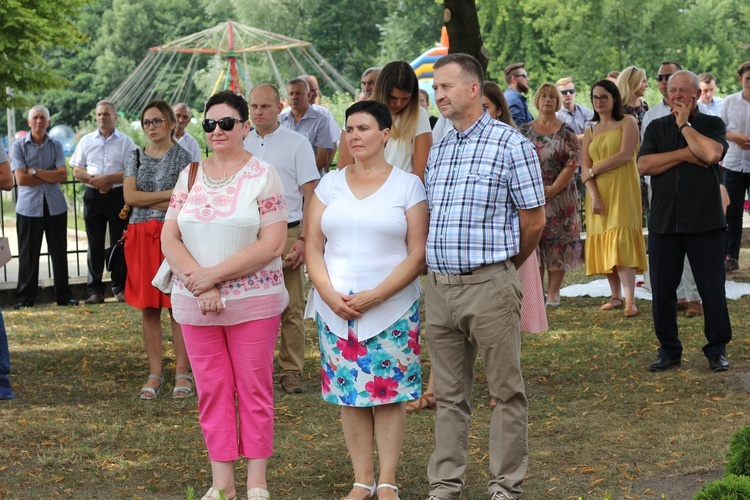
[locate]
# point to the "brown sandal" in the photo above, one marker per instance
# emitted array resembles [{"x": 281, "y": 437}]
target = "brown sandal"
[
  {"x": 614, "y": 303},
  {"x": 631, "y": 310},
  {"x": 426, "y": 401}
]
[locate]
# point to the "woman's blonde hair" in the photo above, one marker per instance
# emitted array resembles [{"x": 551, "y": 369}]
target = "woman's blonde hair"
[
  {"x": 399, "y": 74},
  {"x": 628, "y": 82},
  {"x": 548, "y": 86}
]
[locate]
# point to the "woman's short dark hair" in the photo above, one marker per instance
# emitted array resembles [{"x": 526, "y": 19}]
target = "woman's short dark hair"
[
  {"x": 166, "y": 111},
  {"x": 236, "y": 101},
  {"x": 376, "y": 109},
  {"x": 617, "y": 111}
]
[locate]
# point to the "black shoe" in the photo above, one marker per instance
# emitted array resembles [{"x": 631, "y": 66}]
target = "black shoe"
[
  {"x": 731, "y": 265},
  {"x": 664, "y": 363},
  {"x": 21, "y": 305},
  {"x": 69, "y": 302},
  {"x": 718, "y": 363}
]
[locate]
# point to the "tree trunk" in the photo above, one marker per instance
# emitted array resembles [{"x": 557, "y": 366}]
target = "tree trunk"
[{"x": 462, "y": 23}]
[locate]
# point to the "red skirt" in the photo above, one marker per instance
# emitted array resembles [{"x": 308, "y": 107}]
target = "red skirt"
[{"x": 143, "y": 257}]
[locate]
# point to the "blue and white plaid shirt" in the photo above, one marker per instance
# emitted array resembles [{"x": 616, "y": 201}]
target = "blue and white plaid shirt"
[{"x": 476, "y": 182}]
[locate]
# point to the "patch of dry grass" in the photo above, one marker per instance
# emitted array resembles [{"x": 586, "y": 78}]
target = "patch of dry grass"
[{"x": 600, "y": 423}]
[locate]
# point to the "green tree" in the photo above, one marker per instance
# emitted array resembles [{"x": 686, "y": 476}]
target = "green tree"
[
  {"x": 410, "y": 28},
  {"x": 27, "y": 28}
]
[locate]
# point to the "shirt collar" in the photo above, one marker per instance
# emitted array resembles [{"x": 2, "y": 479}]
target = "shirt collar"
[
  {"x": 476, "y": 128},
  {"x": 115, "y": 134},
  {"x": 27, "y": 138}
]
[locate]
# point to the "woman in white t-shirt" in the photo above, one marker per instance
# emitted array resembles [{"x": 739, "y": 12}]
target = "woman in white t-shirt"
[
  {"x": 365, "y": 250},
  {"x": 411, "y": 135}
]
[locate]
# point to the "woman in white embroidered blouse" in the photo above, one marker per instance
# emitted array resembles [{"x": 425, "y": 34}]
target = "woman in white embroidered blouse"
[
  {"x": 223, "y": 238},
  {"x": 367, "y": 228}
]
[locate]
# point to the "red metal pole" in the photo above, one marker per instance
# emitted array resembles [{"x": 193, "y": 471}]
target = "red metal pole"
[{"x": 231, "y": 57}]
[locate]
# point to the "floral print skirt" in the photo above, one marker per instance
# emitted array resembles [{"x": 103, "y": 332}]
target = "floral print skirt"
[{"x": 381, "y": 370}]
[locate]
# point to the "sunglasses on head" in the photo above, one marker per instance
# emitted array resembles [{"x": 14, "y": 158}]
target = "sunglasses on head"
[
  {"x": 226, "y": 124},
  {"x": 661, "y": 78},
  {"x": 566, "y": 92}
]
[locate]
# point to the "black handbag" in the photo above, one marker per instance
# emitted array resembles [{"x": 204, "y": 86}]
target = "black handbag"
[{"x": 115, "y": 260}]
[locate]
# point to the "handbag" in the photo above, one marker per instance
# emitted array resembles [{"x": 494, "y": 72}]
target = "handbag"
[
  {"x": 4, "y": 251},
  {"x": 163, "y": 278},
  {"x": 115, "y": 261}
]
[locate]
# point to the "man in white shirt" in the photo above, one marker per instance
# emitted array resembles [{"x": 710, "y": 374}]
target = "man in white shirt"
[
  {"x": 290, "y": 153},
  {"x": 308, "y": 121},
  {"x": 184, "y": 115},
  {"x": 575, "y": 115},
  {"x": 99, "y": 162},
  {"x": 708, "y": 89},
  {"x": 736, "y": 115}
]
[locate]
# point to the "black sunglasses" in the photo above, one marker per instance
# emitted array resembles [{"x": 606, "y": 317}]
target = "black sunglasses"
[
  {"x": 226, "y": 124},
  {"x": 566, "y": 92},
  {"x": 660, "y": 78}
]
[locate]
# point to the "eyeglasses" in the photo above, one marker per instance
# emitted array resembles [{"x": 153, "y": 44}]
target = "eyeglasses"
[
  {"x": 522, "y": 75},
  {"x": 156, "y": 122},
  {"x": 566, "y": 92},
  {"x": 226, "y": 124},
  {"x": 661, "y": 78},
  {"x": 600, "y": 98}
]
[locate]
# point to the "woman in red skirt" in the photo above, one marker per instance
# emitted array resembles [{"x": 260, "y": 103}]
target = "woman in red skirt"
[{"x": 150, "y": 175}]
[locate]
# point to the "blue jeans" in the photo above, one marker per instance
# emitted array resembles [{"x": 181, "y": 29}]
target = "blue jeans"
[{"x": 5, "y": 391}]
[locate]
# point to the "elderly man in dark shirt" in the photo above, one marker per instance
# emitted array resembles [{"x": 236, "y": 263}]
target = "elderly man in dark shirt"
[{"x": 681, "y": 152}]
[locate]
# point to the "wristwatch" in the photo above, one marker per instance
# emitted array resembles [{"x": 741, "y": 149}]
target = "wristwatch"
[
  {"x": 33, "y": 172},
  {"x": 686, "y": 124}
]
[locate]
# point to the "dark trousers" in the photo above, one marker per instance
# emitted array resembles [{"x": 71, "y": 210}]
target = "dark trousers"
[
  {"x": 100, "y": 210},
  {"x": 737, "y": 184},
  {"x": 705, "y": 252},
  {"x": 30, "y": 231}
]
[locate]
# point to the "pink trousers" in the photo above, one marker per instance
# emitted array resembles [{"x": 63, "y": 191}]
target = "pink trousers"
[{"x": 228, "y": 362}]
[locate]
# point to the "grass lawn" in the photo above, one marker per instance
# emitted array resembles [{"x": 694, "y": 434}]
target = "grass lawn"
[{"x": 600, "y": 425}]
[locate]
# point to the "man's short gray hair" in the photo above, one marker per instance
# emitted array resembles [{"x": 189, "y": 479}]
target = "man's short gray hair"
[
  {"x": 183, "y": 105},
  {"x": 107, "y": 103},
  {"x": 691, "y": 76},
  {"x": 374, "y": 69},
  {"x": 296, "y": 81},
  {"x": 36, "y": 108}
]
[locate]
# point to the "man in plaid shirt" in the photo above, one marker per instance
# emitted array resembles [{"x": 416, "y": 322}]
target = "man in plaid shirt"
[{"x": 486, "y": 200}]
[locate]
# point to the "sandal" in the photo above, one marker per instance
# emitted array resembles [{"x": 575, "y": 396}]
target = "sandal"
[
  {"x": 386, "y": 485},
  {"x": 631, "y": 310},
  {"x": 371, "y": 488},
  {"x": 614, "y": 303},
  {"x": 426, "y": 401},
  {"x": 257, "y": 494},
  {"x": 215, "y": 494},
  {"x": 149, "y": 393},
  {"x": 182, "y": 392}
]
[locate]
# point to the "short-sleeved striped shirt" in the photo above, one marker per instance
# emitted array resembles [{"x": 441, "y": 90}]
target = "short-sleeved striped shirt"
[{"x": 476, "y": 182}]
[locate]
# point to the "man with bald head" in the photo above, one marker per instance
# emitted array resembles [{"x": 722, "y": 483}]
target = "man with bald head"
[
  {"x": 333, "y": 127},
  {"x": 290, "y": 153},
  {"x": 681, "y": 152},
  {"x": 184, "y": 115}
]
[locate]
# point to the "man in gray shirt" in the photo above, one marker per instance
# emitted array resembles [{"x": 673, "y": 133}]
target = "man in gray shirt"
[{"x": 38, "y": 164}]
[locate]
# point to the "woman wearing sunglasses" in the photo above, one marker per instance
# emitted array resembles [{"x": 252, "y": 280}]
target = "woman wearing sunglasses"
[
  {"x": 223, "y": 238},
  {"x": 150, "y": 174},
  {"x": 614, "y": 243}
]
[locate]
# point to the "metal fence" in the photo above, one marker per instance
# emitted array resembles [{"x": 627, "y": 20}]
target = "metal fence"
[{"x": 73, "y": 191}]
